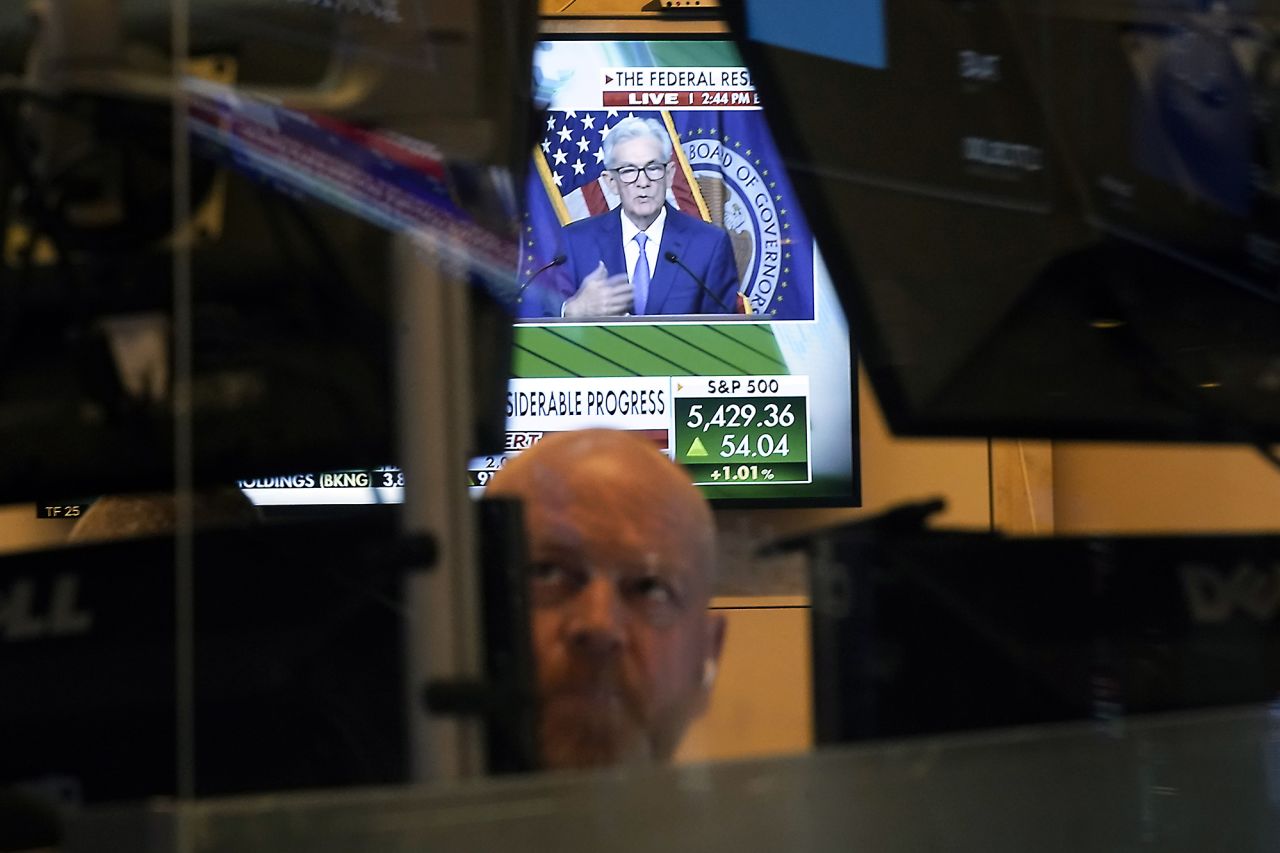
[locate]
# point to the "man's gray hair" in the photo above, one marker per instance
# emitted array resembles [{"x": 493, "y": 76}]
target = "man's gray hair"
[{"x": 632, "y": 127}]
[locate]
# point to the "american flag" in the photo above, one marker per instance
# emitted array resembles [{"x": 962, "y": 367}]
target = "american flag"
[{"x": 569, "y": 160}]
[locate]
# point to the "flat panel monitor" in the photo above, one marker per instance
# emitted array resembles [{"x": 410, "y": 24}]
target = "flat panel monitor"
[
  {"x": 297, "y": 664},
  {"x": 743, "y": 369},
  {"x": 739, "y": 364},
  {"x": 313, "y": 148},
  {"x": 1050, "y": 219},
  {"x": 920, "y": 633}
]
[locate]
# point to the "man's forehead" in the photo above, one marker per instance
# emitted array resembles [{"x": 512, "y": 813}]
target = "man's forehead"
[
  {"x": 638, "y": 145},
  {"x": 627, "y": 535},
  {"x": 610, "y": 487},
  {"x": 610, "y": 549},
  {"x": 601, "y": 518}
]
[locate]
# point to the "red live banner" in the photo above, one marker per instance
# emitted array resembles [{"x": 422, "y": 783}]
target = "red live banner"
[{"x": 660, "y": 99}]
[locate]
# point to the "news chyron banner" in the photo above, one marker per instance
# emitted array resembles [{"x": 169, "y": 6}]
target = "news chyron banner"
[{"x": 724, "y": 429}]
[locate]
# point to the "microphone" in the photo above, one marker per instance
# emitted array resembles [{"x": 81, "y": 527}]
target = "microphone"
[
  {"x": 675, "y": 259},
  {"x": 554, "y": 262}
]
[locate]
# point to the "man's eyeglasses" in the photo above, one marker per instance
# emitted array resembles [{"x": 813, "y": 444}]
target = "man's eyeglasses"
[{"x": 630, "y": 174}]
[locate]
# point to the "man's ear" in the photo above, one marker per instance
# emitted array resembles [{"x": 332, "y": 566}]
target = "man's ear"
[
  {"x": 715, "y": 627},
  {"x": 612, "y": 180},
  {"x": 715, "y": 637}
]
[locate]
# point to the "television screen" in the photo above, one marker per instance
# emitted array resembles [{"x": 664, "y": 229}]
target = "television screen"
[
  {"x": 737, "y": 359},
  {"x": 919, "y": 632},
  {"x": 311, "y": 151},
  {"x": 740, "y": 367},
  {"x": 1049, "y": 220},
  {"x": 297, "y": 637}
]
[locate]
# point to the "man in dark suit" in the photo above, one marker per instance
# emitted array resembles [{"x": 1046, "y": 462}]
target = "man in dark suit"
[{"x": 618, "y": 263}]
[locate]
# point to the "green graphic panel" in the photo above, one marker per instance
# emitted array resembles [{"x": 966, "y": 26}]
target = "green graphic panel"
[
  {"x": 643, "y": 350},
  {"x": 743, "y": 439}
]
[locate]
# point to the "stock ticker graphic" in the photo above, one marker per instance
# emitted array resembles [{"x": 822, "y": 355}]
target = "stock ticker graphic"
[
  {"x": 735, "y": 429},
  {"x": 725, "y": 430}
]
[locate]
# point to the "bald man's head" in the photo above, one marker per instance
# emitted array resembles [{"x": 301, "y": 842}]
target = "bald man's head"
[{"x": 622, "y": 548}]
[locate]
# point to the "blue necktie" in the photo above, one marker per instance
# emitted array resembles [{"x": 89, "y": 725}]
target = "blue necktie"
[{"x": 640, "y": 278}]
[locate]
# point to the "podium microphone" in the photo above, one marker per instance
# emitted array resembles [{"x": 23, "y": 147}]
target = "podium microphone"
[
  {"x": 554, "y": 262},
  {"x": 675, "y": 259}
]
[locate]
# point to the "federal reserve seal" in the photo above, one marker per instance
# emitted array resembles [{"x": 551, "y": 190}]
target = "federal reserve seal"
[{"x": 743, "y": 198}]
